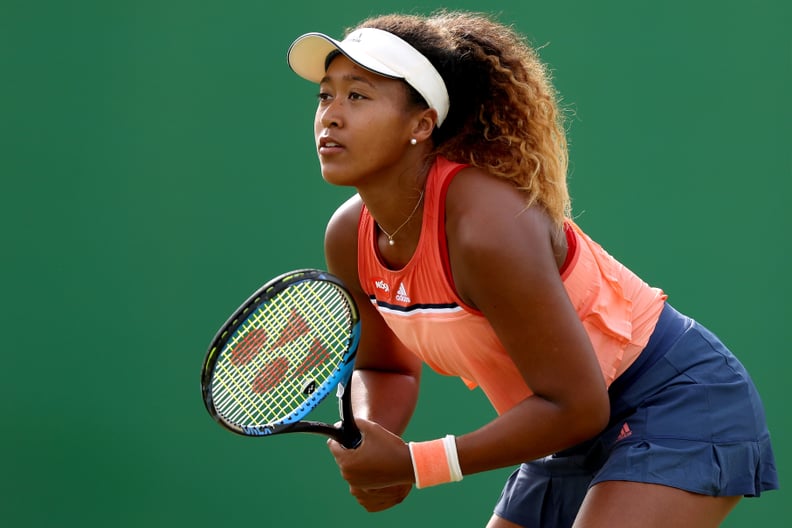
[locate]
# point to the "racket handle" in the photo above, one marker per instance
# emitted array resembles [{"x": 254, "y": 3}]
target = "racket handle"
[{"x": 350, "y": 436}]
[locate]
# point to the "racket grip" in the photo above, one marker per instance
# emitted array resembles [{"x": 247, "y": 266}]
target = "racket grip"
[{"x": 350, "y": 436}]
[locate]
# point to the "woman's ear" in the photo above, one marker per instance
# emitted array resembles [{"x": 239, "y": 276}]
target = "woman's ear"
[{"x": 425, "y": 124}]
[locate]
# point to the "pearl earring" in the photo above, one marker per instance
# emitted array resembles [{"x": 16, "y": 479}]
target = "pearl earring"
[{"x": 413, "y": 141}]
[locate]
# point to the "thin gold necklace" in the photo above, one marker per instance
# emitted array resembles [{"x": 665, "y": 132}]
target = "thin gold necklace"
[{"x": 391, "y": 235}]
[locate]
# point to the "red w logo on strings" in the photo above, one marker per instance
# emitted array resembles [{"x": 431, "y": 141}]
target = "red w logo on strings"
[{"x": 271, "y": 374}]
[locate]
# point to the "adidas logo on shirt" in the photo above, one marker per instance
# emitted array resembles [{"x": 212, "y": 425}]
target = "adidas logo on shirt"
[{"x": 401, "y": 294}]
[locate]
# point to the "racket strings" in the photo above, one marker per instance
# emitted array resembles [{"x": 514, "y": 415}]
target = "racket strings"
[
  {"x": 294, "y": 326},
  {"x": 286, "y": 348}
]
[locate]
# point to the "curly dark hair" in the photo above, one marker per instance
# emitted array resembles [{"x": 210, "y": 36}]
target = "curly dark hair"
[{"x": 504, "y": 116}]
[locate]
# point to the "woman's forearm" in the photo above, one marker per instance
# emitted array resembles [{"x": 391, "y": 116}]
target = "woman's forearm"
[{"x": 387, "y": 398}]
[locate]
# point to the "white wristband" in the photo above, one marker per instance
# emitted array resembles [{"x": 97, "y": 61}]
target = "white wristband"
[
  {"x": 435, "y": 462},
  {"x": 449, "y": 442}
]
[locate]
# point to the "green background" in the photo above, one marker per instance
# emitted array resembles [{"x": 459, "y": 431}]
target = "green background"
[{"x": 157, "y": 165}]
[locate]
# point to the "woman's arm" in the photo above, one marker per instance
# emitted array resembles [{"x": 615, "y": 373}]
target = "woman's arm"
[
  {"x": 505, "y": 263},
  {"x": 387, "y": 375},
  {"x": 386, "y": 379}
]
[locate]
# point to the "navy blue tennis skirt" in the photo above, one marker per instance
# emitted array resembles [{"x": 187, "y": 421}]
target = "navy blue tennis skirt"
[{"x": 686, "y": 414}]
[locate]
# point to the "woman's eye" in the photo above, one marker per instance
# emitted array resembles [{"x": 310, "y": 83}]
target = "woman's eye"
[{"x": 326, "y": 96}]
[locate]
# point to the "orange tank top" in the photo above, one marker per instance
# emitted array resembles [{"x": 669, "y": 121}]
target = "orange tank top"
[{"x": 419, "y": 303}]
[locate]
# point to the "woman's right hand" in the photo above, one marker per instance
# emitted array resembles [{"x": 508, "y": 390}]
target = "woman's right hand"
[{"x": 374, "y": 500}]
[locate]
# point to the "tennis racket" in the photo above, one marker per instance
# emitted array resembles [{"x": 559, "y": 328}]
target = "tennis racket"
[{"x": 280, "y": 354}]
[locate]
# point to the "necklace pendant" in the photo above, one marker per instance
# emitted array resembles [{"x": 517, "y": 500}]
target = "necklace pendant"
[{"x": 391, "y": 235}]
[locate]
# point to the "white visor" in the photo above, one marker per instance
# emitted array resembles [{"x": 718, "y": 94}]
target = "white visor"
[{"x": 378, "y": 51}]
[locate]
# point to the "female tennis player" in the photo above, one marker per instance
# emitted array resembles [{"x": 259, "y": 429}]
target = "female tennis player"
[{"x": 460, "y": 250}]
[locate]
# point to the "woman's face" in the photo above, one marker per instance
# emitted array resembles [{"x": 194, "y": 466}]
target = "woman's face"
[{"x": 363, "y": 123}]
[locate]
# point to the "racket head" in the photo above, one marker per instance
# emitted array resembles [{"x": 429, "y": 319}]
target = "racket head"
[{"x": 280, "y": 354}]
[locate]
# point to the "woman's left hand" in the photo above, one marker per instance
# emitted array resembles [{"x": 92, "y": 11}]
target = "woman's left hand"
[{"x": 381, "y": 460}]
